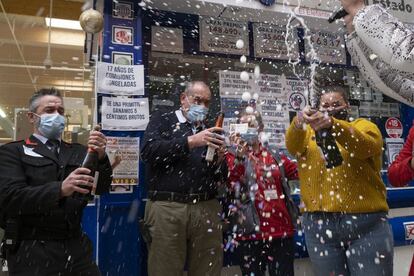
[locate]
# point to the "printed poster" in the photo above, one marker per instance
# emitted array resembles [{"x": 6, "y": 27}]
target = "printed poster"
[
  {"x": 120, "y": 79},
  {"x": 123, "y": 153},
  {"x": 394, "y": 146},
  {"x": 272, "y": 101},
  {"x": 122, "y": 113},
  {"x": 122, "y": 35},
  {"x": 297, "y": 93},
  {"x": 232, "y": 86}
]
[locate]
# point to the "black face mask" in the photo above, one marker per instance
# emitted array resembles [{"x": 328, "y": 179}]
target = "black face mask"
[{"x": 340, "y": 114}]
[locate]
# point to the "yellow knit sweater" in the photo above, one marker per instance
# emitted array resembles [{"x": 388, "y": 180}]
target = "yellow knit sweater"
[{"x": 353, "y": 187}]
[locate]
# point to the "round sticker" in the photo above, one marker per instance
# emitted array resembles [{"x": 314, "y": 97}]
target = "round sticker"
[
  {"x": 297, "y": 101},
  {"x": 394, "y": 127}
]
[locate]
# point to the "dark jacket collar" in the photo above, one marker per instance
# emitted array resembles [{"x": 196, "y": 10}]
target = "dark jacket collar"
[{"x": 64, "y": 152}]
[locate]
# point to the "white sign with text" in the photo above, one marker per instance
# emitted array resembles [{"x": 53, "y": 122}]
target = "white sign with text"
[
  {"x": 221, "y": 36},
  {"x": 329, "y": 47},
  {"x": 122, "y": 113},
  {"x": 120, "y": 79},
  {"x": 270, "y": 42}
]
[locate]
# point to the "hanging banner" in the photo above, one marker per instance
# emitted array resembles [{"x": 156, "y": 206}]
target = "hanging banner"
[
  {"x": 329, "y": 47},
  {"x": 121, "y": 113},
  {"x": 120, "y": 79},
  {"x": 270, "y": 42},
  {"x": 123, "y": 153},
  {"x": 402, "y": 9},
  {"x": 221, "y": 36}
]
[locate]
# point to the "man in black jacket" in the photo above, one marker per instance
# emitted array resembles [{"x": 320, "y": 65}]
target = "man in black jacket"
[
  {"x": 182, "y": 213},
  {"x": 43, "y": 192}
]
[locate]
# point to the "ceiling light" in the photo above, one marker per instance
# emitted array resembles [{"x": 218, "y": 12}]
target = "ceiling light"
[
  {"x": 2, "y": 114},
  {"x": 63, "y": 23}
]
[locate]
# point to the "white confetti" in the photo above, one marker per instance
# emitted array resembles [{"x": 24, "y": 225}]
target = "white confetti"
[
  {"x": 239, "y": 44},
  {"x": 246, "y": 96},
  {"x": 244, "y": 76},
  {"x": 243, "y": 59}
]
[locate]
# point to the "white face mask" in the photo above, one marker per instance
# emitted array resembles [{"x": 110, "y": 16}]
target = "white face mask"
[
  {"x": 196, "y": 112},
  {"x": 51, "y": 125}
]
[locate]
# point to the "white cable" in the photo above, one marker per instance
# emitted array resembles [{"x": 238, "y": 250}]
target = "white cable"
[
  {"x": 50, "y": 28},
  {"x": 18, "y": 46}
]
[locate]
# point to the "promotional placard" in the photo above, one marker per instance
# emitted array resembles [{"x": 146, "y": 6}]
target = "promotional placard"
[
  {"x": 122, "y": 113},
  {"x": 297, "y": 93},
  {"x": 270, "y": 42},
  {"x": 123, "y": 153},
  {"x": 122, "y": 35},
  {"x": 394, "y": 146},
  {"x": 232, "y": 86},
  {"x": 221, "y": 36},
  {"x": 120, "y": 79}
]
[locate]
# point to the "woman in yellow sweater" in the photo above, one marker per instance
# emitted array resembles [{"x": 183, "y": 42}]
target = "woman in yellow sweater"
[{"x": 345, "y": 224}]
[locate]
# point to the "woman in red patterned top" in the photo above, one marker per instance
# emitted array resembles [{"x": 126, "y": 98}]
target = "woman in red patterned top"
[
  {"x": 401, "y": 171},
  {"x": 271, "y": 245}
]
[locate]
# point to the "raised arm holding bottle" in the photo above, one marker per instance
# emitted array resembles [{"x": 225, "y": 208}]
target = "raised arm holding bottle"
[
  {"x": 39, "y": 209},
  {"x": 345, "y": 206}
]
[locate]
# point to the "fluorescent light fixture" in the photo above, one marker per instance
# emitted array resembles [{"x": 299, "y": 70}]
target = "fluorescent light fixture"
[
  {"x": 63, "y": 23},
  {"x": 2, "y": 114}
]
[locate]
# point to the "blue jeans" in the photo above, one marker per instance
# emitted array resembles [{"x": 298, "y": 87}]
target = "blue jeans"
[{"x": 349, "y": 244}]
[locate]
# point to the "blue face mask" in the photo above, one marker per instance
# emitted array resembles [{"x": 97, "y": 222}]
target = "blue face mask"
[
  {"x": 51, "y": 125},
  {"x": 251, "y": 136},
  {"x": 196, "y": 113}
]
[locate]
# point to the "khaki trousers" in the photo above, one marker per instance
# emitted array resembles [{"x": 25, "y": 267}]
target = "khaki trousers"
[{"x": 184, "y": 234}]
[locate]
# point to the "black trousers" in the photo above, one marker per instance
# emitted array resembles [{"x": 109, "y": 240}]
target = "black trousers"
[
  {"x": 53, "y": 257},
  {"x": 277, "y": 255}
]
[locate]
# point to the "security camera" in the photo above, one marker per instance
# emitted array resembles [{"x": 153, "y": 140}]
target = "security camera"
[{"x": 48, "y": 63}]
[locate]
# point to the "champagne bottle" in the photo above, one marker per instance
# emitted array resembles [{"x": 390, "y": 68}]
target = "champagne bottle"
[
  {"x": 211, "y": 150},
  {"x": 90, "y": 162},
  {"x": 330, "y": 150}
]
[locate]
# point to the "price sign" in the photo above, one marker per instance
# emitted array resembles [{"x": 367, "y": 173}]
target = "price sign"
[
  {"x": 220, "y": 36},
  {"x": 270, "y": 41},
  {"x": 329, "y": 47}
]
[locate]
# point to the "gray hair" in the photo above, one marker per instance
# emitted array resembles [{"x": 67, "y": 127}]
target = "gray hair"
[
  {"x": 34, "y": 100},
  {"x": 190, "y": 87},
  {"x": 256, "y": 114}
]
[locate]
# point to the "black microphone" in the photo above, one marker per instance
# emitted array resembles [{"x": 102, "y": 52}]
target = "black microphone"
[{"x": 341, "y": 13}]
